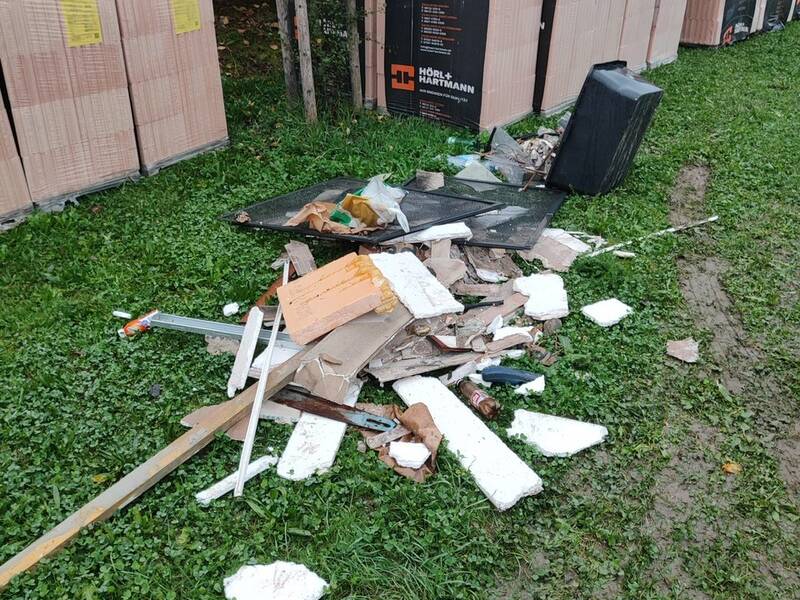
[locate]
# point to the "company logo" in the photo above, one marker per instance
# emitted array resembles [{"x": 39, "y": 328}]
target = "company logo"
[
  {"x": 403, "y": 77},
  {"x": 435, "y": 77}
]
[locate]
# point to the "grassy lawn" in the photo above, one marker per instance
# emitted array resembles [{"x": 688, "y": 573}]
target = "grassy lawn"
[{"x": 650, "y": 514}]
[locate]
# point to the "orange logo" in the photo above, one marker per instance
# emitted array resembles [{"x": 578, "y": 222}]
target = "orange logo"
[{"x": 403, "y": 77}]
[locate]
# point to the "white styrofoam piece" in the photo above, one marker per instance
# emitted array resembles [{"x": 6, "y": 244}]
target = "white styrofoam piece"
[
  {"x": 450, "y": 231},
  {"x": 504, "y": 332},
  {"x": 230, "y": 309},
  {"x": 409, "y": 454},
  {"x": 532, "y": 387},
  {"x": 498, "y": 472},
  {"x": 496, "y": 324},
  {"x": 624, "y": 254},
  {"x": 278, "y": 581},
  {"x": 226, "y": 485},
  {"x": 547, "y": 298},
  {"x": 607, "y": 312},
  {"x": 487, "y": 362},
  {"x": 518, "y": 353},
  {"x": 555, "y": 436},
  {"x": 490, "y": 276},
  {"x": 314, "y": 443},
  {"x": 421, "y": 293},
  {"x": 570, "y": 241}
]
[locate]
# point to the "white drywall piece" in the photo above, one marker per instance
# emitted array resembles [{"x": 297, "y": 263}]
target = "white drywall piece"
[
  {"x": 247, "y": 348},
  {"x": 314, "y": 443},
  {"x": 508, "y": 331},
  {"x": 498, "y": 472},
  {"x": 226, "y": 485},
  {"x": 547, "y": 298},
  {"x": 421, "y": 293},
  {"x": 555, "y": 436},
  {"x": 278, "y": 581},
  {"x": 607, "y": 312},
  {"x": 409, "y": 454},
  {"x": 450, "y": 231}
]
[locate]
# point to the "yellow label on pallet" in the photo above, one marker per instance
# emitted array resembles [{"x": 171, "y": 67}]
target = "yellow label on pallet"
[
  {"x": 82, "y": 18},
  {"x": 186, "y": 15}
]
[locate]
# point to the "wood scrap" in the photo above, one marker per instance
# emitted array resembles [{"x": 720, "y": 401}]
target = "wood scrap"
[
  {"x": 505, "y": 343},
  {"x": 301, "y": 257},
  {"x": 244, "y": 355},
  {"x": 416, "y": 366},
  {"x": 511, "y": 305},
  {"x": 145, "y": 476},
  {"x": 491, "y": 291},
  {"x": 503, "y": 268}
]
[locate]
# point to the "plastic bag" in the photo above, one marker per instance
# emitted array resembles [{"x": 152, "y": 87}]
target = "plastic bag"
[{"x": 385, "y": 201}]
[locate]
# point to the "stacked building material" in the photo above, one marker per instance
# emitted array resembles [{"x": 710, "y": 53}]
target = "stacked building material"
[
  {"x": 65, "y": 76},
  {"x": 173, "y": 72},
  {"x": 636, "y": 32},
  {"x": 15, "y": 201},
  {"x": 576, "y": 34},
  {"x": 467, "y": 66},
  {"x": 718, "y": 22},
  {"x": 666, "y": 33}
]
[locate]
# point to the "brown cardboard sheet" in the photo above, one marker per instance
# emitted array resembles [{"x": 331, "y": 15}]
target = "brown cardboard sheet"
[
  {"x": 15, "y": 200},
  {"x": 666, "y": 32}
]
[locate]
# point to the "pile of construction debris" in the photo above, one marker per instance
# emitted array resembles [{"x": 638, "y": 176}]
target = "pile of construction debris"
[{"x": 429, "y": 312}]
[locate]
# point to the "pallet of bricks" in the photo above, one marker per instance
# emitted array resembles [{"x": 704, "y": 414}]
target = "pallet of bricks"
[
  {"x": 99, "y": 91},
  {"x": 491, "y": 63},
  {"x": 723, "y": 22}
]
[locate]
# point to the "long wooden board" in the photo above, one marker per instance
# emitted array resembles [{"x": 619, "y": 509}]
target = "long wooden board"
[{"x": 146, "y": 475}]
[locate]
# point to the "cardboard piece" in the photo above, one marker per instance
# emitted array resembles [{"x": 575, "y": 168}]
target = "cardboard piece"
[
  {"x": 65, "y": 76},
  {"x": 174, "y": 79},
  {"x": 665, "y": 36},
  {"x": 15, "y": 201}
]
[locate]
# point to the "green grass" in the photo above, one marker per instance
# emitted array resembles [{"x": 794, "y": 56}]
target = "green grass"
[{"x": 75, "y": 413}]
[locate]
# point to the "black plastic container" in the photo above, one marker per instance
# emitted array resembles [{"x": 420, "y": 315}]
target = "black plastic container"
[{"x": 613, "y": 112}]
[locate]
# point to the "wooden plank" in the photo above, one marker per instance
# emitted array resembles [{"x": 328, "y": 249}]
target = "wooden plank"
[
  {"x": 146, "y": 475},
  {"x": 306, "y": 66},
  {"x": 247, "y": 348},
  {"x": 285, "y": 31},
  {"x": 301, "y": 257},
  {"x": 417, "y": 366}
]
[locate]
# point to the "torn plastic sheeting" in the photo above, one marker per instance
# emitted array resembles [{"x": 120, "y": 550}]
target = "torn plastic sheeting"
[
  {"x": 449, "y": 231},
  {"x": 277, "y": 581},
  {"x": 547, "y": 298},
  {"x": 498, "y": 472},
  {"x": 555, "y": 436},
  {"x": 422, "y": 209},
  {"x": 611, "y": 117}
]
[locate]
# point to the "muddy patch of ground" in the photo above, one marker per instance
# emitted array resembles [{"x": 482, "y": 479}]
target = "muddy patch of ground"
[{"x": 687, "y": 199}]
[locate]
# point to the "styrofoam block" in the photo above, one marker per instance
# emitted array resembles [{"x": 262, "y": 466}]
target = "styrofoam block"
[
  {"x": 230, "y": 309},
  {"x": 498, "y": 472},
  {"x": 314, "y": 443},
  {"x": 547, "y": 298},
  {"x": 607, "y": 312},
  {"x": 490, "y": 276},
  {"x": 421, "y": 293},
  {"x": 278, "y": 581},
  {"x": 226, "y": 485},
  {"x": 409, "y": 454},
  {"x": 555, "y": 436}
]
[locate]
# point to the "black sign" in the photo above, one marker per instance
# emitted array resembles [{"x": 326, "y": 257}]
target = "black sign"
[
  {"x": 434, "y": 59},
  {"x": 737, "y": 21}
]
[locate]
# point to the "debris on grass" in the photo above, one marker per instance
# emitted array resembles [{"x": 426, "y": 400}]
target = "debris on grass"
[
  {"x": 411, "y": 455},
  {"x": 482, "y": 402},
  {"x": 555, "y": 436},
  {"x": 532, "y": 387},
  {"x": 607, "y": 312},
  {"x": 687, "y": 350},
  {"x": 279, "y": 581},
  {"x": 547, "y": 298},
  {"x": 224, "y": 486},
  {"x": 230, "y": 309}
]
